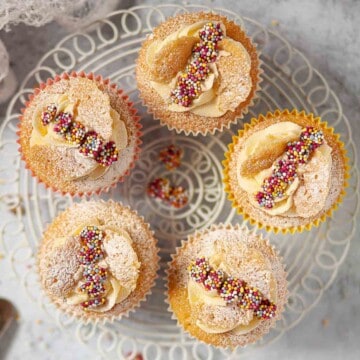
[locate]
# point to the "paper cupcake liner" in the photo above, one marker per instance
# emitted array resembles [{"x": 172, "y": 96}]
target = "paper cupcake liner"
[
  {"x": 234, "y": 191},
  {"x": 92, "y": 317},
  {"x": 157, "y": 109},
  {"x": 134, "y": 125},
  {"x": 229, "y": 341}
]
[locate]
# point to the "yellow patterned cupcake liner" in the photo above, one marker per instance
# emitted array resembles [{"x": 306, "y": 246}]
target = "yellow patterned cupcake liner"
[{"x": 236, "y": 195}]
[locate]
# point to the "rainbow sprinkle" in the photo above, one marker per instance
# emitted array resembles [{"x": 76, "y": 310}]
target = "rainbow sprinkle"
[
  {"x": 90, "y": 142},
  {"x": 285, "y": 170},
  {"x": 90, "y": 254},
  {"x": 188, "y": 86},
  {"x": 178, "y": 197},
  {"x": 171, "y": 157},
  {"x": 232, "y": 290},
  {"x": 175, "y": 196}
]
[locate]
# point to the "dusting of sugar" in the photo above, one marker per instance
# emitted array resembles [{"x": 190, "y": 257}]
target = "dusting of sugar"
[
  {"x": 187, "y": 121},
  {"x": 93, "y": 100},
  {"x": 311, "y": 195},
  {"x": 335, "y": 184},
  {"x": 57, "y": 278},
  {"x": 227, "y": 317},
  {"x": 121, "y": 258},
  {"x": 238, "y": 241},
  {"x": 111, "y": 215},
  {"x": 235, "y": 80}
]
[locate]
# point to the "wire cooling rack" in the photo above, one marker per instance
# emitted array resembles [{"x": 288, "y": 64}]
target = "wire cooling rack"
[{"x": 110, "y": 49}]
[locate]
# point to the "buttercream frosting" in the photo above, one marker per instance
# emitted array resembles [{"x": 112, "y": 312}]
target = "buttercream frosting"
[
  {"x": 120, "y": 261},
  {"x": 213, "y": 314},
  {"x": 258, "y": 155},
  {"x": 215, "y": 100},
  {"x": 84, "y": 167}
]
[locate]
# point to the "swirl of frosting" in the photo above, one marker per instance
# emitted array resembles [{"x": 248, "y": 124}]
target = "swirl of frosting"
[
  {"x": 78, "y": 165},
  {"x": 307, "y": 194},
  {"x": 214, "y": 313},
  {"x": 227, "y": 83}
]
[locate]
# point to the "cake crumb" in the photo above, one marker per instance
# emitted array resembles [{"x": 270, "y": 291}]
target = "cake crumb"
[
  {"x": 138, "y": 356},
  {"x": 275, "y": 22},
  {"x": 325, "y": 322},
  {"x": 21, "y": 208}
]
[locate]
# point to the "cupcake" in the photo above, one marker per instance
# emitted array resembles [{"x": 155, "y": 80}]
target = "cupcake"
[
  {"x": 97, "y": 260},
  {"x": 226, "y": 286},
  {"x": 198, "y": 72},
  {"x": 79, "y": 134},
  {"x": 285, "y": 171}
]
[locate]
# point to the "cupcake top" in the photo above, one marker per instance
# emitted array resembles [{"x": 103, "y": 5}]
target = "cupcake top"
[
  {"x": 78, "y": 133},
  {"x": 198, "y": 66},
  {"x": 227, "y": 286},
  {"x": 97, "y": 260},
  {"x": 199, "y": 69},
  {"x": 286, "y": 170}
]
